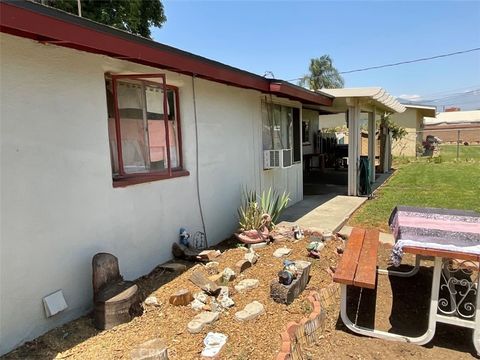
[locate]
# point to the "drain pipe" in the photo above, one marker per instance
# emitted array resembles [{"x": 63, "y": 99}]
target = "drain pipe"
[{"x": 197, "y": 167}]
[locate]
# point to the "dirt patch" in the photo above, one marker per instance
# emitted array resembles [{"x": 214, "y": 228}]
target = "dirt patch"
[{"x": 260, "y": 338}]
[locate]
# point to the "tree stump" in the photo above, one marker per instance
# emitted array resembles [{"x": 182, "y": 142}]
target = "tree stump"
[{"x": 114, "y": 299}]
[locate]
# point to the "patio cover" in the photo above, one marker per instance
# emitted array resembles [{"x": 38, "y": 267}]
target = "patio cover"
[{"x": 354, "y": 101}]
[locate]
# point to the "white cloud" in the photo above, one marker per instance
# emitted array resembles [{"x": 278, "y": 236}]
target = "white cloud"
[{"x": 410, "y": 97}]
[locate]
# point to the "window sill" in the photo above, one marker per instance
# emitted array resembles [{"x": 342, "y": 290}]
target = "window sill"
[{"x": 135, "y": 179}]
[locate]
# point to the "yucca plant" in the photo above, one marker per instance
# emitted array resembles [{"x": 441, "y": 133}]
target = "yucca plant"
[{"x": 253, "y": 208}]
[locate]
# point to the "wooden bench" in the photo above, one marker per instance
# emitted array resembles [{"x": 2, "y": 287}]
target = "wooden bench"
[{"x": 358, "y": 265}]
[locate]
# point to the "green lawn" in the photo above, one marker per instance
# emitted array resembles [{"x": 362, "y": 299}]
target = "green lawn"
[
  {"x": 449, "y": 152},
  {"x": 454, "y": 185}
]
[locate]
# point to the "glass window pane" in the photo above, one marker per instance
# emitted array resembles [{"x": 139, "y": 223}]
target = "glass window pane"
[
  {"x": 112, "y": 135},
  {"x": 156, "y": 128},
  {"x": 133, "y": 127},
  {"x": 267, "y": 126},
  {"x": 173, "y": 129}
]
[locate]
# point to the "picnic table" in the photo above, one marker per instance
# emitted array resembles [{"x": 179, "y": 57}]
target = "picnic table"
[{"x": 451, "y": 238}]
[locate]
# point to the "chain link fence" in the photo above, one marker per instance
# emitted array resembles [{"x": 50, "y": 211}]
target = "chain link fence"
[{"x": 460, "y": 143}]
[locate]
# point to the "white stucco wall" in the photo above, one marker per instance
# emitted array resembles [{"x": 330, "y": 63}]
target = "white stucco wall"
[
  {"x": 410, "y": 119},
  {"x": 58, "y": 206}
]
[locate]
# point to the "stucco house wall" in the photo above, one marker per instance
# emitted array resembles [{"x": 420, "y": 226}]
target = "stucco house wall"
[
  {"x": 58, "y": 204},
  {"x": 411, "y": 120}
]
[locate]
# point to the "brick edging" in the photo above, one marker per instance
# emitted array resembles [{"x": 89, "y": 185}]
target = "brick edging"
[{"x": 306, "y": 328}]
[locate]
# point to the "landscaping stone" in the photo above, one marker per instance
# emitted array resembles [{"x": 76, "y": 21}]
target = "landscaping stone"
[
  {"x": 152, "y": 301},
  {"x": 213, "y": 345},
  {"x": 181, "y": 297},
  {"x": 197, "y": 305},
  {"x": 217, "y": 279},
  {"x": 202, "y": 319},
  {"x": 282, "y": 252},
  {"x": 247, "y": 284},
  {"x": 212, "y": 268},
  {"x": 228, "y": 274},
  {"x": 285, "y": 294},
  {"x": 199, "y": 279},
  {"x": 242, "y": 265},
  {"x": 224, "y": 299},
  {"x": 251, "y": 311},
  {"x": 174, "y": 267},
  {"x": 259, "y": 245},
  {"x": 155, "y": 349},
  {"x": 251, "y": 256},
  {"x": 201, "y": 296},
  {"x": 209, "y": 255}
]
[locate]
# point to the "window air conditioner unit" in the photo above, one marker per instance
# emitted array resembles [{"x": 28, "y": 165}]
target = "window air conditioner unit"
[
  {"x": 271, "y": 159},
  {"x": 277, "y": 158}
]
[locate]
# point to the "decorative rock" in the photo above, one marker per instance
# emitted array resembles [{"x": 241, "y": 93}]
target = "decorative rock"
[
  {"x": 224, "y": 299},
  {"x": 285, "y": 294},
  {"x": 152, "y": 301},
  {"x": 251, "y": 256},
  {"x": 201, "y": 296},
  {"x": 247, "y": 284},
  {"x": 251, "y": 311},
  {"x": 200, "y": 320},
  {"x": 181, "y": 297},
  {"x": 259, "y": 245},
  {"x": 150, "y": 350},
  {"x": 282, "y": 252},
  {"x": 197, "y": 305},
  {"x": 212, "y": 268},
  {"x": 173, "y": 267},
  {"x": 218, "y": 279},
  {"x": 339, "y": 250},
  {"x": 209, "y": 254},
  {"x": 242, "y": 265},
  {"x": 228, "y": 274},
  {"x": 213, "y": 345},
  {"x": 182, "y": 252},
  {"x": 199, "y": 279}
]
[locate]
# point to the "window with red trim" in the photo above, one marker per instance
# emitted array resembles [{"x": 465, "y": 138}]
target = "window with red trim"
[{"x": 150, "y": 145}]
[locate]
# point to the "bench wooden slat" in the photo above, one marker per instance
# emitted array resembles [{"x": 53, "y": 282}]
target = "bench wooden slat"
[
  {"x": 366, "y": 273},
  {"x": 345, "y": 272}
]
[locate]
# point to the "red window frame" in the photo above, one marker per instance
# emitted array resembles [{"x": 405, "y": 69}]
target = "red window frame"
[{"x": 123, "y": 178}]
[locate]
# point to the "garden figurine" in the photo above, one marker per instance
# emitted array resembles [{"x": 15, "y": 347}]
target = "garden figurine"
[
  {"x": 314, "y": 249},
  {"x": 184, "y": 237}
]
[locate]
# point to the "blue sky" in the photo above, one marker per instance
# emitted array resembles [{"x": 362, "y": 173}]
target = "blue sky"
[{"x": 282, "y": 36}]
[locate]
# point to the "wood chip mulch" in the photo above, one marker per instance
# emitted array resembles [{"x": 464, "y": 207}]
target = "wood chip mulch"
[{"x": 255, "y": 339}]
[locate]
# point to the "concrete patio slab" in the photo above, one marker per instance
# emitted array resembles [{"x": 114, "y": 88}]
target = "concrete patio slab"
[{"x": 322, "y": 212}]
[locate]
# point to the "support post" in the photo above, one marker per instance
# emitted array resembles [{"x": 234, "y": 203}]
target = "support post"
[
  {"x": 372, "y": 144},
  {"x": 353, "y": 145}
]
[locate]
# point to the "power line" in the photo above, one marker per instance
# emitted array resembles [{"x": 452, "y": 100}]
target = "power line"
[{"x": 402, "y": 62}]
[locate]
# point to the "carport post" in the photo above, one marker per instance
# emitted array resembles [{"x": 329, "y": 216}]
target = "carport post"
[
  {"x": 372, "y": 143},
  {"x": 353, "y": 145}
]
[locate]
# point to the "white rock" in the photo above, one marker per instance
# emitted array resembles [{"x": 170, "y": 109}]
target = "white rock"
[
  {"x": 213, "y": 344},
  {"x": 202, "y": 319},
  {"x": 224, "y": 291},
  {"x": 152, "y": 301},
  {"x": 251, "y": 256},
  {"x": 247, "y": 284},
  {"x": 226, "y": 302},
  {"x": 197, "y": 305},
  {"x": 228, "y": 274},
  {"x": 282, "y": 252},
  {"x": 251, "y": 311},
  {"x": 201, "y": 296}
]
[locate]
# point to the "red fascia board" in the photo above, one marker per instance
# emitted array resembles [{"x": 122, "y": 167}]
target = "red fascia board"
[
  {"x": 296, "y": 93},
  {"x": 26, "y": 23}
]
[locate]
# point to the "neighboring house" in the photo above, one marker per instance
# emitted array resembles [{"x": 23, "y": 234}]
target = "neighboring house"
[
  {"x": 453, "y": 126},
  {"x": 192, "y": 135},
  {"x": 412, "y": 121}
]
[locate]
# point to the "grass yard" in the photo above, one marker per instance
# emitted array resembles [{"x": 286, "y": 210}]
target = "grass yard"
[
  {"x": 454, "y": 185},
  {"x": 470, "y": 152}
]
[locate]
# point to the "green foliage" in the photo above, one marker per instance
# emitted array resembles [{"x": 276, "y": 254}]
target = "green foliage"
[
  {"x": 396, "y": 130},
  {"x": 134, "y": 16},
  {"x": 253, "y": 208},
  {"x": 322, "y": 75}
]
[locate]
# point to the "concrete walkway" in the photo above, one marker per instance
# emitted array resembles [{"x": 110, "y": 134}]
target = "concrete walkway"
[{"x": 322, "y": 212}]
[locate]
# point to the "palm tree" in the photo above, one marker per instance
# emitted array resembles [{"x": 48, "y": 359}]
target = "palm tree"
[{"x": 322, "y": 75}]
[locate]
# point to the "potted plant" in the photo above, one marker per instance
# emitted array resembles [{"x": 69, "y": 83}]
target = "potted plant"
[{"x": 259, "y": 214}]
